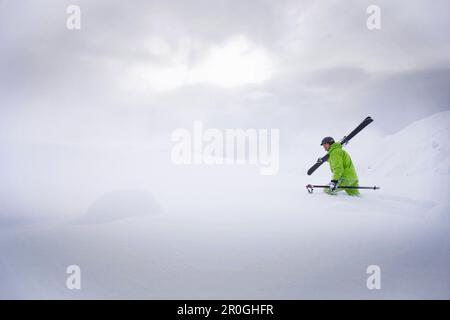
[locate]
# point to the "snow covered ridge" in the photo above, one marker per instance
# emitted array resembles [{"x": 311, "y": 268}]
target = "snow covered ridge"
[{"x": 420, "y": 148}]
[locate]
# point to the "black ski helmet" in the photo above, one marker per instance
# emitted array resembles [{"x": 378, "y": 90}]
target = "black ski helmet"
[{"x": 329, "y": 140}]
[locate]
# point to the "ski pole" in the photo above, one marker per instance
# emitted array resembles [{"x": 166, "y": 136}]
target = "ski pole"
[{"x": 311, "y": 187}]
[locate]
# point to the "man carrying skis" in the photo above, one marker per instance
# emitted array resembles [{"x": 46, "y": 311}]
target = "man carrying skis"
[{"x": 341, "y": 166}]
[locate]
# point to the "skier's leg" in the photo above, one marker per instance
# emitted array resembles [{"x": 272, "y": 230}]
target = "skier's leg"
[{"x": 352, "y": 192}]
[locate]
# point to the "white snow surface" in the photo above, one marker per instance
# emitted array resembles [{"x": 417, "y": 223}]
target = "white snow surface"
[{"x": 226, "y": 232}]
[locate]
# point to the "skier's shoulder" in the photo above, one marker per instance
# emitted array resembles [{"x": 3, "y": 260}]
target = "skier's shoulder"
[{"x": 336, "y": 148}]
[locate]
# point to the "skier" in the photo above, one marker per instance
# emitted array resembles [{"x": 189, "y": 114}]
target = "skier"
[{"x": 341, "y": 167}]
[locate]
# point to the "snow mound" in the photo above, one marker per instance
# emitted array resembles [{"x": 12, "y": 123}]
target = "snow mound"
[{"x": 421, "y": 148}]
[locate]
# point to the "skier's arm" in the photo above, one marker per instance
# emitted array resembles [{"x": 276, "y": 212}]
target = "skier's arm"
[{"x": 337, "y": 165}]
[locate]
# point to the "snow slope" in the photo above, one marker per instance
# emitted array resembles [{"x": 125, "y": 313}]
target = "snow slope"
[
  {"x": 421, "y": 148},
  {"x": 413, "y": 162},
  {"x": 227, "y": 232}
]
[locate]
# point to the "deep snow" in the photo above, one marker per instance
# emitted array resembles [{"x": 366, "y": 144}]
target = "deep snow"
[{"x": 227, "y": 232}]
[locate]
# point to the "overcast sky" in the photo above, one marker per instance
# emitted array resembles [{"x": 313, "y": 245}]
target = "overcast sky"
[{"x": 146, "y": 66}]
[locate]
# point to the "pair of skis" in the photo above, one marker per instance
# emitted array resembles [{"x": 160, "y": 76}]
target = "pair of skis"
[{"x": 324, "y": 159}]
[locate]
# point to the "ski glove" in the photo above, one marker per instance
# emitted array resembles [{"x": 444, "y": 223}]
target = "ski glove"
[{"x": 334, "y": 185}]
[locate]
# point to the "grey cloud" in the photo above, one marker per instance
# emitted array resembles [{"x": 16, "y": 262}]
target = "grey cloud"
[
  {"x": 409, "y": 96},
  {"x": 325, "y": 55}
]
